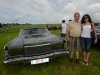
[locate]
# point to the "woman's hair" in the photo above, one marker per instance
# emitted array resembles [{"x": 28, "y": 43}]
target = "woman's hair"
[{"x": 82, "y": 21}]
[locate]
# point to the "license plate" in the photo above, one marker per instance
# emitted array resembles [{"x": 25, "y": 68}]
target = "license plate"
[{"x": 38, "y": 61}]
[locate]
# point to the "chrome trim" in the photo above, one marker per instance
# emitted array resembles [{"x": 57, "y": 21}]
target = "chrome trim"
[
  {"x": 13, "y": 60},
  {"x": 38, "y": 45},
  {"x": 98, "y": 33},
  {"x": 6, "y": 44},
  {"x": 65, "y": 45},
  {"x": 4, "y": 47},
  {"x": 35, "y": 57}
]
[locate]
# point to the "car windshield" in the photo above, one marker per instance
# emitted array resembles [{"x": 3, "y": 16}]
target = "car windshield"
[{"x": 34, "y": 31}]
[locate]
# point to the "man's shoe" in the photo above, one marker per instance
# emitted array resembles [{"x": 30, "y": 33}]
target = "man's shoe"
[
  {"x": 77, "y": 62},
  {"x": 71, "y": 61}
]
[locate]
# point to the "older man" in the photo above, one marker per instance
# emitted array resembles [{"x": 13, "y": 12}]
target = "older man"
[{"x": 73, "y": 36}]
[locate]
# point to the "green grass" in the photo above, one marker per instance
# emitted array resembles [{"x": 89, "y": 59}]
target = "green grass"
[{"x": 59, "y": 66}]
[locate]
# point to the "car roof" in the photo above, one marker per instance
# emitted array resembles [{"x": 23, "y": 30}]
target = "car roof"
[{"x": 33, "y": 27}]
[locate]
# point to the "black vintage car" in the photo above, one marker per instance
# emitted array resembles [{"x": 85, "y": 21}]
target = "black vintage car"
[{"x": 35, "y": 45}]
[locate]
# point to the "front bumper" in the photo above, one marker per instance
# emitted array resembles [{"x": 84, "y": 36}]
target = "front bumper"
[{"x": 50, "y": 55}]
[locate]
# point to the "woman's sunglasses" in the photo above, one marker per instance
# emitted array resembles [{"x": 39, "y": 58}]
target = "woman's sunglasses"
[{"x": 85, "y": 17}]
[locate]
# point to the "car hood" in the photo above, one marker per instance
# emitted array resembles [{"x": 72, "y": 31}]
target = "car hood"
[{"x": 36, "y": 41}]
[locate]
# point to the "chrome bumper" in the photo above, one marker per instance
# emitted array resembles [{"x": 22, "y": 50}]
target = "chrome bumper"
[{"x": 35, "y": 57}]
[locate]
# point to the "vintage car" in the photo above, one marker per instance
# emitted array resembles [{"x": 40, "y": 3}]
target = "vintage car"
[{"x": 34, "y": 45}]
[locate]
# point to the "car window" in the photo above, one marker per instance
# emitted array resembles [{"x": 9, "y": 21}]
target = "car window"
[{"x": 33, "y": 31}]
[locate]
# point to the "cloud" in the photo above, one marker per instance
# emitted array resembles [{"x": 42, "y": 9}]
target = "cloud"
[
  {"x": 17, "y": 18},
  {"x": 47, "y": 11}
]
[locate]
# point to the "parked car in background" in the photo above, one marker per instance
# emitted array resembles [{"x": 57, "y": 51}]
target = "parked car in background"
[
  {"x": 34, "y": 45},
  {"x": 98, "y": 26},
  {"x": 98, "y": 34}
]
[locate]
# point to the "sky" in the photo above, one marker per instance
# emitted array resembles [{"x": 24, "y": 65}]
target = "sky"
[{"x": 47, "y": 11}]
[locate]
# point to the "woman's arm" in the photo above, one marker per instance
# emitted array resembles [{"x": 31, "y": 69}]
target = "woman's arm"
[{"x": 94, "y": 30}]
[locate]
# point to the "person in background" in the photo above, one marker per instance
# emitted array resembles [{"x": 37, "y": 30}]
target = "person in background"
[
  {"x": 47, "y": 26},
  {"x": 86, "y": 40},
  {"x": 63, "y": 29},
  {"x": 73, "y": 36},
  {"x": 70, "y": 20}
]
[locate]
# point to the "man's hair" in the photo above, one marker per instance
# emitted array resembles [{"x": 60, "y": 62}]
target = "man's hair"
[
  {"x": 76, "y": 13},
  {"x": 63, "y": 21}
]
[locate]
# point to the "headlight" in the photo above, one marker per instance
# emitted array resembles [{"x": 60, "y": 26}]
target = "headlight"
[
  {"x": 5, "y": 48},
  {"x": 6, "y": 54},
  {"x": 65, "y": 46}
]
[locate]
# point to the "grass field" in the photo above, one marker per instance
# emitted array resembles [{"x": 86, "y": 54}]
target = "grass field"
[{"x": 59, "y": 66}]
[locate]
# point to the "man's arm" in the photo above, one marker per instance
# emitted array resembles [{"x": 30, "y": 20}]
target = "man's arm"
[
  {"x": 60, "y": 31},
  {"x": 67, "y": 33},
  {"x": 61, "y": 28},
  {"x": 68, "y": 38}
]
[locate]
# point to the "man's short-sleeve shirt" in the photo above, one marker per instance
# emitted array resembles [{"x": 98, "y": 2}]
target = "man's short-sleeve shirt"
[{"x": 74, "y": 28}]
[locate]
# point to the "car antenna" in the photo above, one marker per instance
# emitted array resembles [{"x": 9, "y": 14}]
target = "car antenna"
[
  {"x": 8, "y": 38},
  {"x": 7, "y": 29}
]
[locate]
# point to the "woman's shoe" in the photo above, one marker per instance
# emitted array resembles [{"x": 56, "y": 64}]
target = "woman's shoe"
[
  {"x": 87, "y": 64},
  {"x": 84, "y": 62}
]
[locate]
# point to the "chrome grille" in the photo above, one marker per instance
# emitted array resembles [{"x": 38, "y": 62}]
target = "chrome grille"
[{"x": 37, "y": 50}]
